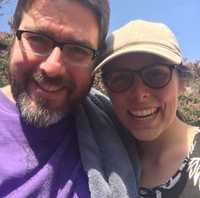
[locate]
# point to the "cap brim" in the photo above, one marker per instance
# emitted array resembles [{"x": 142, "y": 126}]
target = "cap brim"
[{"x": 159, "y": 51}]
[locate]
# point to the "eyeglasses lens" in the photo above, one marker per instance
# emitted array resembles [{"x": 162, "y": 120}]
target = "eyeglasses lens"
[{"x": 156, "y": 77}]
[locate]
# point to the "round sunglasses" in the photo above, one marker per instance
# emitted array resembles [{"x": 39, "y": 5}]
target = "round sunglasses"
[{"x": 154, "y": 76}]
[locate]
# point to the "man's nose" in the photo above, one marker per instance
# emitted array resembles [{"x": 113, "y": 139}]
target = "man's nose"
[{"x": 53, "y": 65}]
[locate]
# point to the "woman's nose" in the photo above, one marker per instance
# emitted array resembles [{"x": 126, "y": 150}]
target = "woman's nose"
[{"x": 139, "y": 91}]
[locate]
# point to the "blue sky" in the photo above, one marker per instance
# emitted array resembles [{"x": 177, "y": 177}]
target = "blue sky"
[{"x": 182, "y": 16}]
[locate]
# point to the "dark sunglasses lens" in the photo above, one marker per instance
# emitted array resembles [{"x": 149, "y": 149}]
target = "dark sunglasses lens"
[
  {"x": 119, "y": 81},
  {"x": 157, "y": 76}
]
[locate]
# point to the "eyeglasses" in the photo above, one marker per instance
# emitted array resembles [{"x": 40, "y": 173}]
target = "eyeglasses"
[
  {"x": 42, "y": 45},
  {"x": 154, "y": 76}
]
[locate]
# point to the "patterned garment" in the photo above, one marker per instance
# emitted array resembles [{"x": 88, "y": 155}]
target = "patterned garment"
[{"x": 186, "y": 181}]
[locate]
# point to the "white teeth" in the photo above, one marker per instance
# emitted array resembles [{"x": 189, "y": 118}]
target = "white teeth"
[{"x": 143, "y": 113}]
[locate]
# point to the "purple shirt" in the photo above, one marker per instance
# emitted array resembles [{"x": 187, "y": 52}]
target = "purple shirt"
[{"x": 39, "y": 163}]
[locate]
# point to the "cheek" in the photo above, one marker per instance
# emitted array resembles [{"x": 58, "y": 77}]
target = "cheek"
[
  {"x": 82, "y": 78},
  {"x": 82, "y": 75},
  {"x": 19, "y": 60}
]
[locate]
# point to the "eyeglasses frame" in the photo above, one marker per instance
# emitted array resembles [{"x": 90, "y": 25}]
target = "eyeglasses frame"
[
  {"x": 19, "y": 33},
  {"x": 105, "y": 75}
]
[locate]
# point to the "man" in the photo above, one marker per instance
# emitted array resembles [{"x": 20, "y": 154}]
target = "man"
[{"x": 54, "y": 141}]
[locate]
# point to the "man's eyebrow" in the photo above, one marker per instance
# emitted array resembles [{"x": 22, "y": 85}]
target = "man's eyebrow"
[
  {"x": 70, "y": 38},
  {"x": 43, "y": 31}
]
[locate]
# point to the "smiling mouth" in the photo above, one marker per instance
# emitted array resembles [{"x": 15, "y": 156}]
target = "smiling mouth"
[
  {"x": 47, "y": 84},
  {"x": 49, "y": 88},
  {"x": 144, "y": 113}
]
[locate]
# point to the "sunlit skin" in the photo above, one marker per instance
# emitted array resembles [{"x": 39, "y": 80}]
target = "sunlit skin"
[
  {"x": 159, "y": 104},
  {"x": 62, "y": 26}
]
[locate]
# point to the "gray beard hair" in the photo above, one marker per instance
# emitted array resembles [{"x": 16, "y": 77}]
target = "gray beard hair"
[{"x": 38, "y": 116}]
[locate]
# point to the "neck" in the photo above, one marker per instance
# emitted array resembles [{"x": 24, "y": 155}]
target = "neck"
[
  {"x": 178, "y": 135},
  {"x": 161, "y": 158}
]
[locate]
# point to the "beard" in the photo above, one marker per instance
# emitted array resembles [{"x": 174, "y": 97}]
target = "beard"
[{"x": 39, "y": 115}]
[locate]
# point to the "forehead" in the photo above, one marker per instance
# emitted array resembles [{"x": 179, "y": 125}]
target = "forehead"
[
  {"x": 60, "y": 19},
  {"x": 136, "y": 60}
]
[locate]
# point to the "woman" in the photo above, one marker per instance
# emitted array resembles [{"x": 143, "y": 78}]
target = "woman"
[{"x": 143, "y": 74}]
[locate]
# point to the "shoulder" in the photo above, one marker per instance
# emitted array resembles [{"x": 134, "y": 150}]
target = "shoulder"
[
  {"x": 95, "y": 94},
  {"x": 100, "y": 100}
]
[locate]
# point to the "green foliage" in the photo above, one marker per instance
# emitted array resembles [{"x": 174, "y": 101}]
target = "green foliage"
[
  {"x": 3, "y": 71},
  {"x": 189, "y": 101},
  {"x": 98, "y": 83},
  {"x": 4, "y": 43}
]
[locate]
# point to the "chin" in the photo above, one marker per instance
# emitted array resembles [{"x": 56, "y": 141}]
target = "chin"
[
  {"x": 36, "y": 113},
  {"x": 145, "y": 134}
]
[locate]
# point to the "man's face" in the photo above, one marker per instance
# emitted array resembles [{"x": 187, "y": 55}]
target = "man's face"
[{"x": 46, "y": 87}]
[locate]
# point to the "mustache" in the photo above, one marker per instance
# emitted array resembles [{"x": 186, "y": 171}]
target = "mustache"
[{"x": 53, "y": 83}]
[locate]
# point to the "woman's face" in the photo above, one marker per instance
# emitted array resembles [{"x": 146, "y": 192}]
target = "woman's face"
[{"x": 146, "y": 112}]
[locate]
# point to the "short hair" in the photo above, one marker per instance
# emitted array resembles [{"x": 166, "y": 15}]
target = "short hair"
[{"x": 100, "y": 8}]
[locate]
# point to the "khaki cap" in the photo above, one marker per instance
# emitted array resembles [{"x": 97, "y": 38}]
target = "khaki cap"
[{"x": 141, "y": 36}]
